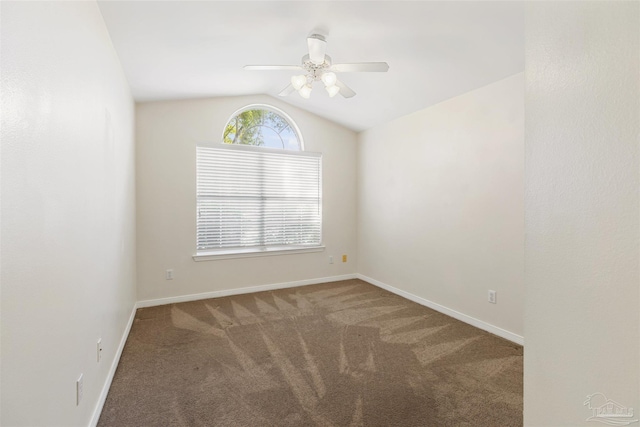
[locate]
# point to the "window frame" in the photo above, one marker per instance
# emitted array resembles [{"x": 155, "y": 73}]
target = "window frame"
[{"x": 258, "y": 251}]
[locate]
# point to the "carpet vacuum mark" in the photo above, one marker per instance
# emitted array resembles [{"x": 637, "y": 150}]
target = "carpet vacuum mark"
[{"x": 336, "y": 354}]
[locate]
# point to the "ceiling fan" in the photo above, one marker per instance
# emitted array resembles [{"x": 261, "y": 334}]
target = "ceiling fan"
[{"x": 317, "y": 66}]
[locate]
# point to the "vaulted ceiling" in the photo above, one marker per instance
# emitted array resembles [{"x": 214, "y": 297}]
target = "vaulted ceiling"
[{"x": 436, "y": 50}]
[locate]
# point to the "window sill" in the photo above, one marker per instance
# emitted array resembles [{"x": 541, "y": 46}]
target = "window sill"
[{"x": 251, "y": 253}]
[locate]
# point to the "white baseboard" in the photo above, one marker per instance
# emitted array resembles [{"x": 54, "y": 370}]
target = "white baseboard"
[
  {"x": 112, "y": 370},
  {"x": 247, "y": 290},
  {"x": 446, "y": 310}
]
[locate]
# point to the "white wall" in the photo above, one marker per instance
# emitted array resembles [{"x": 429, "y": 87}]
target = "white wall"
[
  {"x": 440, "y": 203},
  {"x": 68, "y": 230},
  {"x": 166, "y": 138},
  {"x": 582, "y": 300}
]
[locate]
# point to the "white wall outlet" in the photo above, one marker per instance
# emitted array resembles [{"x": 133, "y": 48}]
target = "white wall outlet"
[
  {"x": 168, "y": 275},
  {"x": 330, "y": 259},
  {"x": 99, "y": 350},
  {"x": 79, "y": 389},
  {"x": 493, "y": 297}
]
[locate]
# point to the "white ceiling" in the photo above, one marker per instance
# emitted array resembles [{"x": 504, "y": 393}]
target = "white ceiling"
[{"x": 435, "y": 50}]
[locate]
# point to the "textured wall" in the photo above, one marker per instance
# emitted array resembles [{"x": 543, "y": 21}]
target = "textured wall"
[
  {"x": 441, "y": 203},
  {"x": 68, "y": 211},
  {"x": 166, "y": 137},
  {"x": 582, "y": 286}
]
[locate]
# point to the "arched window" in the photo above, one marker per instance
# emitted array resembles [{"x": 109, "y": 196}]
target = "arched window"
[
  {"x": 263, "y": 126},
  {"x": 259, "y": 192}
]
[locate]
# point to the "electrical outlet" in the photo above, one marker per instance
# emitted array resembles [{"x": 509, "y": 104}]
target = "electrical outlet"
[
  {"x": 168, "y": 275},
  {"x": 330, "y": 259},
  {"x": 79, "y": 389},
  {"x": 344, "y": 258},
  {"x": 493, "y": 297},
  {"x": 99, "y": 349}
]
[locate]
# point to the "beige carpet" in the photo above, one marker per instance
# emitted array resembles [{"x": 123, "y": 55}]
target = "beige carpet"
[{"x": 337, "y": 354}]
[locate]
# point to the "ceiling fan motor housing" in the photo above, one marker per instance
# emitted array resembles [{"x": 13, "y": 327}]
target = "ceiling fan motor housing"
[{"x": 314, "y": 70}]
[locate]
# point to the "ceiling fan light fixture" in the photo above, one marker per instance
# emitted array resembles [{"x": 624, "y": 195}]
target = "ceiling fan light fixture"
[
  {"x": 329, "y": 79},
  {"x": 333, "y": 90},
  {"x": 305, "y": 91},
  {"x": 298, "y": 81}
]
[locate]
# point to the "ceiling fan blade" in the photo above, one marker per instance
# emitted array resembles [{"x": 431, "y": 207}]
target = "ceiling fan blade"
[
  {"x": 317, "y": 47},
  {"x": 380, "y": 67},
  {"x": 287, "y": 90},
  {"x": 271, "y": 67},
  {"x": 345, "y": 90}
]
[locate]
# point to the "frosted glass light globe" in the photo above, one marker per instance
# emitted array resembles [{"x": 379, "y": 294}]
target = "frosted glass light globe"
[
  {"x": 305, "y": 91},
  {"x": 333, "y": 90},
  {"x": 329, "y": 79},
  {"x": 298, "y": 81}
]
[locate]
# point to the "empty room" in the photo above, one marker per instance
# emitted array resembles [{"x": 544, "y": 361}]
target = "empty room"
[{"x": 319, "y": 213}]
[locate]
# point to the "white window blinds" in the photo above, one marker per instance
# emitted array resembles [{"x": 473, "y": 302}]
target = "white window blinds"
[{"x": 257, "y": 198}]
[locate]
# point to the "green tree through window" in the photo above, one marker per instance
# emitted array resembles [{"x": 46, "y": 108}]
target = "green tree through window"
[{"x": 263, "y": 128}]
